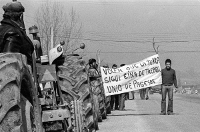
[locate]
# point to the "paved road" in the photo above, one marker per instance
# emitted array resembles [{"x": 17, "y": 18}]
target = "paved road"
[{"x": 143, "y": 116}]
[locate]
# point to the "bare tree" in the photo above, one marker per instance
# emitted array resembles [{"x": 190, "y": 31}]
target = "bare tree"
[
  {"x": 66, "y": 26},
  {"x": 73, "y": 30}
]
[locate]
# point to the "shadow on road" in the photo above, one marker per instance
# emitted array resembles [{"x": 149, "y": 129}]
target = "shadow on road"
[
  {"x": 133, "y": 114},
  {"x": 129, "y": 110},
  {"x": 140, "y": 114}
]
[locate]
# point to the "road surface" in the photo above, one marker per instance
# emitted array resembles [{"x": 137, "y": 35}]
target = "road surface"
[{"x": 144, "y": 116}]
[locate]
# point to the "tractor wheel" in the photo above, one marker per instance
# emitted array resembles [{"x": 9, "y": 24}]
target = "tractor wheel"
[
  {"x": 16, "y": 94},
  {"x": 74, "y": 85}
]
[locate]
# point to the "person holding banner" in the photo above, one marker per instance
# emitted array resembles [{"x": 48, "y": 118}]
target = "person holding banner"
[
  {"x": 122, "y": 97},
  {"x": 168, "y": 80},
  {"x": 143, "y": 74},
  {"x": 114, "y": 98}
]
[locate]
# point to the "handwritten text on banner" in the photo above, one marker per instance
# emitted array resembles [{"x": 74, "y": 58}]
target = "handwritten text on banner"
[{"x": 143, "y": 74}]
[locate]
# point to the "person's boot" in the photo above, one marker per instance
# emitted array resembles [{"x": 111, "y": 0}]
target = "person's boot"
[{"x": 170, "y": 107}]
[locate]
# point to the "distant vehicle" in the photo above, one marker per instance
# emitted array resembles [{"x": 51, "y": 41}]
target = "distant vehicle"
[{"x": 156, "y": 89}]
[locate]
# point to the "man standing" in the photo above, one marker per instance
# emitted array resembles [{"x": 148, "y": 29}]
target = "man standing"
[
  {"x": 114, "y": 98},
  {"x": 168, "y": 80}
]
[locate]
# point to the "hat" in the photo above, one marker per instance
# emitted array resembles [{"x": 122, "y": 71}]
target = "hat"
[
  {"x": 13, "y": 6},
  {"x": 33, "y": 29}
]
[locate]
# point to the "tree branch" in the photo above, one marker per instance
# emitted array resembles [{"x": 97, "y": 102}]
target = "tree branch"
[{"x": 65, "y": 26}]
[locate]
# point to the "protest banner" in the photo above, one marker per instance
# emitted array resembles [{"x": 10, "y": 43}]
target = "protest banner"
[{"x": 142, "y": 74}]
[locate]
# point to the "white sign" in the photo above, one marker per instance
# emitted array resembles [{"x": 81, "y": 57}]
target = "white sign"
[{"x": 143, "y": 74}]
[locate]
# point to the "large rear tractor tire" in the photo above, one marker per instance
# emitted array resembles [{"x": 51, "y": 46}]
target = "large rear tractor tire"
[
  {"x": 74, "y": 85},
  {"x": 16, "y": 94}
]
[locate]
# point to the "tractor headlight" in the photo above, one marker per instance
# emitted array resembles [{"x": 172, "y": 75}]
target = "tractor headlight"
[{"x": 59, "y": 49}]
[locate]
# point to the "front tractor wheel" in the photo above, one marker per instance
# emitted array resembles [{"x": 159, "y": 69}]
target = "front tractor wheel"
[{"x": 76, "y": 91}]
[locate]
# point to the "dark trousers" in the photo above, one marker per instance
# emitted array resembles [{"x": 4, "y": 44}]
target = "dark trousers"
[
  {"x": 122, "y": 98},
  {"x": 142, "y": 93},
  {"x": 114, "y": 101},
  {"x": 147, "y": 93},
  {"x": 133, "y": 94},
  {"x": 165, "y": 90}
]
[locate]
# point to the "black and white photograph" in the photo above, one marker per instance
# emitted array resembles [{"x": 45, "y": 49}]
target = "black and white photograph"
[{"x": 99, "y": 65}]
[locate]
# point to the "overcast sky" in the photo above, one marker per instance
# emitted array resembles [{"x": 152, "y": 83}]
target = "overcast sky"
[{"x": 124, "y": 28}]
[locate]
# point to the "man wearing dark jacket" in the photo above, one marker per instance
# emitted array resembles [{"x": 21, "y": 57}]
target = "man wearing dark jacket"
[
  {"x": 13, "y": 37},
  {"x": 168, "y": 83}
]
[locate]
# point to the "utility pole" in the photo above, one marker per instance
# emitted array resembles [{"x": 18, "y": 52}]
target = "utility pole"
[
  {"x": 155, "y": 49},
  {"x": 51, "y": 46}
]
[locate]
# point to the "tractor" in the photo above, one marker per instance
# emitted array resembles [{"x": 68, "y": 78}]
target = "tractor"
[
  {"x": 53, "y": 94},
  {"x": 66, "y": 102}
]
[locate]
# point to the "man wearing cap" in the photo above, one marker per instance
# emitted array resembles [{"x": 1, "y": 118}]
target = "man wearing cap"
[
  {"x": 38, "y": 49},
  {"x": 13, "y": 37}
]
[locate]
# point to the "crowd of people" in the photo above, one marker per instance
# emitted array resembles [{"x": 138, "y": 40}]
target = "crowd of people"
[
  {"x": 117, "y": 101},
  {"x": 168, "y": 83}
]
